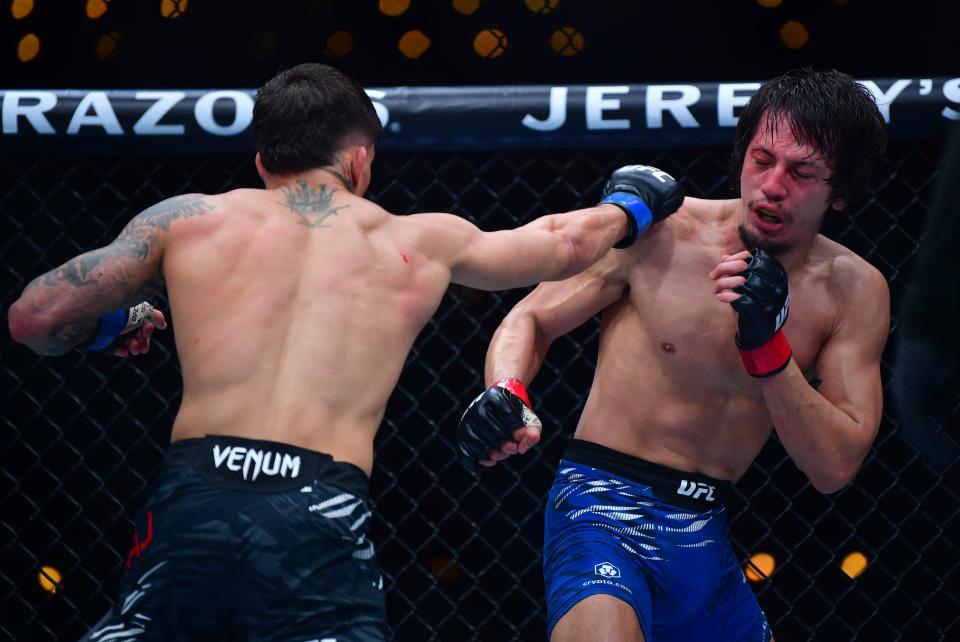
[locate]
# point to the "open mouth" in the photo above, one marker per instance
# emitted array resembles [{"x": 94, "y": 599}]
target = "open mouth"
[{"x": 767, "y": 216}]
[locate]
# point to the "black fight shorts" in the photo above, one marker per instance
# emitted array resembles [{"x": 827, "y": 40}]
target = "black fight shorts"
[{"x": 250, "y": 540}]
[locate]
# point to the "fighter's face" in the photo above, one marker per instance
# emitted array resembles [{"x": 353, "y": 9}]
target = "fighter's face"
[{"x": 784, "y": 189}]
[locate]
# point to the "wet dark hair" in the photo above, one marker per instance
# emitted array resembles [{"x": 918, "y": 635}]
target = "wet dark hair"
[
  {"x": 303, "y": 116},
  {"x": 828, "y": 110}
]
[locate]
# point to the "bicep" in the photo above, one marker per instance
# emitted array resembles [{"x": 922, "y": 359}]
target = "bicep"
[{"x": 849, "y": 362}]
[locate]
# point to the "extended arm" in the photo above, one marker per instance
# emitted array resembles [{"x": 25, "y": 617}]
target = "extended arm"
[{"x": 60, "y": 310}]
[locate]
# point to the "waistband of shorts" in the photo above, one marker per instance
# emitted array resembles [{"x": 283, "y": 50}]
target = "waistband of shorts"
[
  {"x": 254, "y": 464},
  {"x": 689, "y": 490}
]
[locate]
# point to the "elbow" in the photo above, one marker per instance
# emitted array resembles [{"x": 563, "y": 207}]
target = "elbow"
[
  {"x": 26, "y": 325},
  {"x": 833, "y": 481}
]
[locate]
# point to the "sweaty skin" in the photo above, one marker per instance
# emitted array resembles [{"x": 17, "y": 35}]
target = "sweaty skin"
[
  {"x": 295, "y": 306},
  {"x": 669, "y": 385}
]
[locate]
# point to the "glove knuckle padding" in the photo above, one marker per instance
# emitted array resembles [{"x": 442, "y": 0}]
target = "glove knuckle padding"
[
  {"x": 489, "y": 421},
  {"x": 659, "y": 190},
  {"x": 764, "y": 301}
]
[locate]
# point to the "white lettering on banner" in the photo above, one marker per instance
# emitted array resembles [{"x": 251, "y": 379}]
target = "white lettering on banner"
[
  {"x": 12, "y": 110},
  {"x": 597, "y": 104},
  {"x": 556, "y": 116},
  {"x": 148, "y": 123},
  {"x": 252, "y": 462},
  {"x": 657, "y": 103},
  {"x": 382, "y": 112},
  {"x": 885, "y": 98},
  {"x": 729, "y": 99},
  {"x": 242, "y": 112},
  {"x": 103, "y": 115},
  {"x": 951, "y": 90}
]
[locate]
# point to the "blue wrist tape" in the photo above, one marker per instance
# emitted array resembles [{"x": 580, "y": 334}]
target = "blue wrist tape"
[
  {"x": 108, "y": 327},
  {"x": 636, "y": 207}
]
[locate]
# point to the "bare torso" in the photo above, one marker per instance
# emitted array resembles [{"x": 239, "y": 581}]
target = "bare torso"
[
  {"x": 669, "y": 385},
  {"x": 291, "y": 332}
]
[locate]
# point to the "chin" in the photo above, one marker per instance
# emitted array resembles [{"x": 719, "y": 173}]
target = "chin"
[{"x": 752, "y": 241}]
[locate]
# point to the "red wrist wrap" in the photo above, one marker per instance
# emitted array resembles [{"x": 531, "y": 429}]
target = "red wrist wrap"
[
  {"x": 516, "y": 387},
  {"x": 770, "y": 358}
]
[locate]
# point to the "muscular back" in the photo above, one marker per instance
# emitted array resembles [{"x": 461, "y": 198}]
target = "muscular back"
[{"x": 293, "y": 325}]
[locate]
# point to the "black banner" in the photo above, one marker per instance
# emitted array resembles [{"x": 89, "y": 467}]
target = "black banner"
[{"x": 418, "y": 118}]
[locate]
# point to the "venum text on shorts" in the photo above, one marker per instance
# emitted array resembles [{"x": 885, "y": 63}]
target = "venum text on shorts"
[{"x": 252, "y": 462}]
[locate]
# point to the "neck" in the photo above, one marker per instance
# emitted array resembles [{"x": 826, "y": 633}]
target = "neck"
[{"x": 336, "y": 175}]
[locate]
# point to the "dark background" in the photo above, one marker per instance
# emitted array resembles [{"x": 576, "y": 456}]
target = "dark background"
[{"x": 82, "y": 435}]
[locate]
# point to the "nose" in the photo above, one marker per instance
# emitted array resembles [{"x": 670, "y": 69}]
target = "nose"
[{"x": 774, "y": 184}]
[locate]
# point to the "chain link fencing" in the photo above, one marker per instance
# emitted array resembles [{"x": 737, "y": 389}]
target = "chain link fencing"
[{"x": 84, "y": 434}]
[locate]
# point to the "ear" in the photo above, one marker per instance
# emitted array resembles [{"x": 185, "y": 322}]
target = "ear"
[
  {"x": 358, "y": 163},
  {"x": 260, "y": 170}
]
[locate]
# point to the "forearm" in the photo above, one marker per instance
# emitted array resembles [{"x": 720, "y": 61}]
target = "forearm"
[
  {"x": 826, "y": 443},
  {"x": 59, "y": 310},
  {"x": 583, "y": 236},
  {"x": 516, "y": 350}
]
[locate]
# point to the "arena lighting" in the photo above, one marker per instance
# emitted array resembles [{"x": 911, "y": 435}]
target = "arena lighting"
[
  {"x": 21, "y": 8},
  {"x": 50, "y": 579},
  {"x": 854, "y": 564},
  {"x": 28, "y": 48},
  {"x": 108, "y": 46},
  {"x": 490, "y": 43},
  {"x": 444, "y": 569},
  {"x": 173, "y": 8},
  {"x": 567, "y": 41},
  {"x": 339, "y": 44},
  {"x": 466, "y": 7},
  {"x": 760, "y": 566},
  {"x": 394, "y": 7},
  {"x": 794, "y": 34},
  {"x": 541, "y": 6},
  {"x": 96, "y": 8},
  {"x": 413, "y": 44},
  {"x": 770, "y": 4}
]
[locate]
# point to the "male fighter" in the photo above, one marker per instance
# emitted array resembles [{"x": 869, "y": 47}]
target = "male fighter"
[
  {"x": 295, "y": 307},
  {"x": 697, "y": 359}
]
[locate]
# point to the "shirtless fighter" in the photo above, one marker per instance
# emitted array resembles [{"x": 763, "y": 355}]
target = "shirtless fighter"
[
  {"x": 697, "y": 359},
  {"x": 295, "y": 307}
]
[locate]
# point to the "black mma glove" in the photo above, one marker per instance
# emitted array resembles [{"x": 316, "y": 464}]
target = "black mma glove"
[
  {"x": 762, "y": 309},
  {"x": 491, "y": 419},
  {"x": 646, "y": 194}
]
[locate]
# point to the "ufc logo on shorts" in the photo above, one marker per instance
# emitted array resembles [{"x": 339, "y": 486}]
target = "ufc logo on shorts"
[
  {"x": 695, "y": 490},
  {"x": 606, "y": 569}
]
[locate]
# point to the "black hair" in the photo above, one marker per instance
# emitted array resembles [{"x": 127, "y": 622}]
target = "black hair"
[
  {"x": 303, "y": 116},
  {"x": 828, "y": 110}
]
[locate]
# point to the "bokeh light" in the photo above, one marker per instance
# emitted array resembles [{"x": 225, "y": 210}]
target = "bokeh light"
[
  {"x": 854, "y": 564},
  {"x": 567, "y": 41},
  {"x": 108, "y": 46},
  {"x": 49, "y": 578},
  {"x": 394, "y": 7},
  {"x": 490, "y": 43},
  {"x": 173, "y": 8},
  {"x": 760, "y": 567},
  {"x": 794, "y": 34},
  {"x": 21, "y": 8},
  {"x": 541, "y": 6},
  {"x": 96, "y": 8},
  {"x": 413, "y": 44},
  {"x": 339, "y": 44},
  {"x": 28, "y": 48},
  {"x": 466, "y": 7}
]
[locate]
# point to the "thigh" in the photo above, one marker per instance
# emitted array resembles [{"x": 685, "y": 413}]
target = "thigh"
[
  {"x": 582, "y": 559},
  {"x": 171, "y": 587},
  {"x": 304, "y": 574}
]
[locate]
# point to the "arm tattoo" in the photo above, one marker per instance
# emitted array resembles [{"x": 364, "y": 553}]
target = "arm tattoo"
[
  {"x": 121, "y": 274},
  {"x": 310, "y": 204}
]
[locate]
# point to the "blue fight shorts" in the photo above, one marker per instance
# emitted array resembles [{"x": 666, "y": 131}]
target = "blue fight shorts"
[{"x": 651, "y": 536}]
